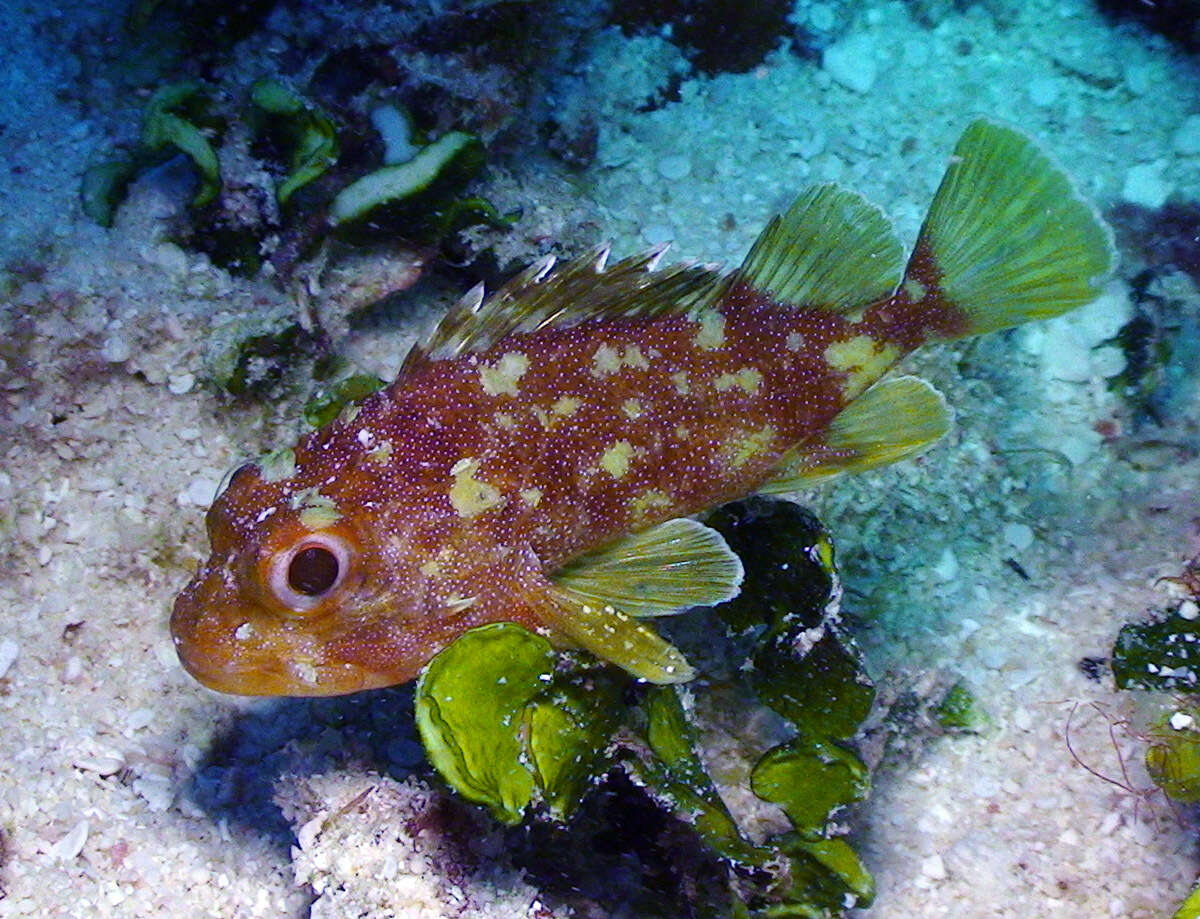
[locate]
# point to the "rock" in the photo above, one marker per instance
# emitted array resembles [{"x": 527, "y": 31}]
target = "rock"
[
  {"x": 852, "y": 62},
  {"x": 1187, "y": 136},
  {"x": 1145, "y": 185},
  {"x": 1018, "y": 535},
  {"x": 674, "y": 167}
]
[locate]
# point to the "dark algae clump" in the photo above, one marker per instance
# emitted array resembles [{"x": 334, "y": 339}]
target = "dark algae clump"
[{"x": 542, "y": 738}]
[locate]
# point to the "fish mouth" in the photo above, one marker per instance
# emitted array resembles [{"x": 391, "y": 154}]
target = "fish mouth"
[{"x": 295, "y": 677}]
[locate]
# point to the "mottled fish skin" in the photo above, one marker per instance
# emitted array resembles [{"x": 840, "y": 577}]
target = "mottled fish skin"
[{"x": 450, "y": 498}]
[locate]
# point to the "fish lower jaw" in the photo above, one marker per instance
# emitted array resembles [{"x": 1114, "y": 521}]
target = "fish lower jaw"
[{"x": 295, "y": 678}]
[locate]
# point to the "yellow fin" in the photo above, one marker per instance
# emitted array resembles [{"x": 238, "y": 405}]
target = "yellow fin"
[
  {"x": 832, "y": 249},
  {"x": 660, "y": 571},
  {"x": 616, "y": 637},
  {"x": 540, "y": 297},
  {"x": 1011, "y": 239},
  {"x": 892, "y": 421}
]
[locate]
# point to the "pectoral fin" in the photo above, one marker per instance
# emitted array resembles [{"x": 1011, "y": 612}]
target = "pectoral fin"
[
  {"x": 661, "y": 571},
  {"x": 596, "y": 600},
  {"x": 892, "y": 421}
]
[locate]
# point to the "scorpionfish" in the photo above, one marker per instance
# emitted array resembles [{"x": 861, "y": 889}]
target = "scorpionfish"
[{"x": 542, "y": 457}]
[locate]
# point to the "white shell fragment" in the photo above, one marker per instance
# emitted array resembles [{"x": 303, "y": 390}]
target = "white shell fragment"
[{"x": 9, "y": 650}]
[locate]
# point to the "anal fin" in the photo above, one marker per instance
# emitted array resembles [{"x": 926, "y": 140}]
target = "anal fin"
[
  {"x": 893, "y": 420},
  {"x": 616, "y": 637}
]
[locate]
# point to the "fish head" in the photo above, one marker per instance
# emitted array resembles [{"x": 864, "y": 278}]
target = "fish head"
[{"x": 297, "y": 599}]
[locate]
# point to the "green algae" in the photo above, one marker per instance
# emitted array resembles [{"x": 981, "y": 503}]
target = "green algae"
[
  {"x": 175, "y": 121},
  {"x": 423, "y": 200},
  {"x": 330, "y": 398},
  {"x": 500, "y": 728},
  {"x": 249, "y": 356},
  {"x": 1173, "y": 757},
  {"x": 810, "y": 779},
  {"x": 1159, "y": 655},
  {"x": 310, "y": 134},
  {"x": 959, "y": 711},
  {"x": 469, "y": 704},
  {"x": 1189, "y": 908}
]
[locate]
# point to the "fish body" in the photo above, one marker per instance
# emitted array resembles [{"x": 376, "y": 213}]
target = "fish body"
[{"x": 539, "y": 459}]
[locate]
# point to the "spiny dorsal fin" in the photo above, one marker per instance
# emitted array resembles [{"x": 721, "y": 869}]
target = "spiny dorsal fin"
[
  {"x": 583, "y": 289},
  {"x": 1010, "y": 238},
  {"x": 832, "y": 250},
  {"x": 892, "y": 421},
  {"x": 666, "y": 569}
]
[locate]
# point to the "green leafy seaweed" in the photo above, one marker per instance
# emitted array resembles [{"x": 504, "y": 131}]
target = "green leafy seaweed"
[
  {"x": 504, "y": 731},
  {"x": 1173, "y": 757},
  {"x": 170, "y": 123},
  {"x": 310, "y": 132},
  {"x": 810, "y": 779},
  {"x": 470, "y": 704},
  {"x": 325, "y": 404}
]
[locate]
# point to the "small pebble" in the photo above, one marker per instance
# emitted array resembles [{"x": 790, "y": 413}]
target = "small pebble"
[
  {"x": 103, "y": 764},
  {"x": 852, "y": 62},
  {"x": 1018, "y": 535},
  {"x": 200, "y": 492},
  {"x": 1022, "y": 720},
  {"x": 946, "y": 569},
  {"x": 138, "y": 719},
  {"x": 156, "y": 790},
  {"x": 1188, "y": 609},
  {"x": 115, "y": 350},
  {"x": 657, "y": 233},
  {"x": 72, "y": 669},
  {"x": 1145, "y": 185},
  {"x": 1140, "y": 78},
  {"x": 1043, "y": 91},
  {"x": 181, "y": 383},
  {"x": 821, "y": 17},
  {"x": 674, "y": 167},
  {"x": 1187, "y": 136},
  {"x": 1182, "y": 721},
  {"x": 934, "y": 868}
]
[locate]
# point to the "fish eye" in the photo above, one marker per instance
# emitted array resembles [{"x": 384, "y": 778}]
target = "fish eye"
[
  {"x": 304, "y": 575},
  {"x": 313, "y": 571}
]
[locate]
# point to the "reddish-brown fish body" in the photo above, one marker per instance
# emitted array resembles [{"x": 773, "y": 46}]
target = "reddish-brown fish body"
[
  {"x": 471, "y": 477},
  {"x": 464, "y": 492}
]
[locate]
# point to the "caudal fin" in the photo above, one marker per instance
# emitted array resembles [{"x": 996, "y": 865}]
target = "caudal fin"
[{"x": 1008, "y": 239}]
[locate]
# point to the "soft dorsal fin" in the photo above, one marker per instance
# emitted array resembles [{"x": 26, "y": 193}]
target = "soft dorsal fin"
[
  {"x": 832, "y": 250},
  {"x": 664, "y": 570},
  {"x": 892, "y": 421},
  {"x": 596, "y": 600},
  {"x": 582, "y": 289}
]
